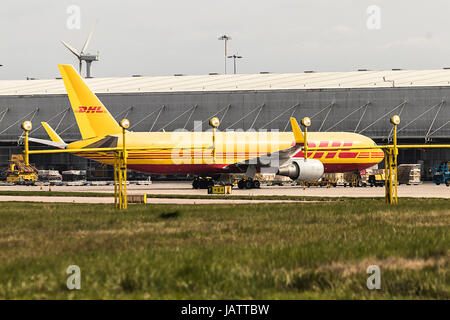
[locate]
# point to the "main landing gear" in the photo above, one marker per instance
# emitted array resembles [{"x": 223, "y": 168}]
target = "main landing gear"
[
  {"x": 249, "y": 184},
  {"x": 202, "y": 183},
  {"x": 206, "y": 182}
]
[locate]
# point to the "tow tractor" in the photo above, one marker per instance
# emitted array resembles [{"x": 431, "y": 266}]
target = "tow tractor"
[{"x": 441, "y": 174}]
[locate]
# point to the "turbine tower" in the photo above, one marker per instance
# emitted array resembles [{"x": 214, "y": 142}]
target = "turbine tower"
[{"x": 82, "y": 55}]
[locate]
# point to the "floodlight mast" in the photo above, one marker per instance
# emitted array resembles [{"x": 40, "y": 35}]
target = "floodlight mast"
[
  {"x": 234, "y": 57},
  {"x": 26, "y": 127},
  {"x": 306, "y": 122},
  {"x": 214, "y": 123},
  {"x": 225, "y": 38}
]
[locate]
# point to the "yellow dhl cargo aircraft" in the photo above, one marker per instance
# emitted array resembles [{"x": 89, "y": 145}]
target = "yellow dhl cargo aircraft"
[{"x": 208, "y": 154}]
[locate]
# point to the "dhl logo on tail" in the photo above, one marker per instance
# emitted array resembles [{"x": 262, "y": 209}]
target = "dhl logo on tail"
[{"x": 84, "y": 109}]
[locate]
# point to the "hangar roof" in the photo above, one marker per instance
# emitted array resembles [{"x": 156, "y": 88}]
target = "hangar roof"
[{"x": 229, "y": 82}]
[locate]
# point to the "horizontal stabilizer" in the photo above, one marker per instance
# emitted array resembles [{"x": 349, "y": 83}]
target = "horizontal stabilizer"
[{"x": 60, "y": 145}]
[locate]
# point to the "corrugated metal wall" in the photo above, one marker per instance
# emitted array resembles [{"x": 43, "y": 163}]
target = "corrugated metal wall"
[{"x": 348, "y": 103}]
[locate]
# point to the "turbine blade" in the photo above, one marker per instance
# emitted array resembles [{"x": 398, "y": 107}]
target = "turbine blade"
[
  {"x": 72, "y": 49},
  {"x": 89, "y": 38}
]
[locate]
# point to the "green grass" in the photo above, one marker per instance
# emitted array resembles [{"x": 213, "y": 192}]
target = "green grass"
[
  {"x": 151, "y": 195},
  {"x": 195, "y": 196},
  {"x": 177, "y": 196},
  {"x": 262, "y": 251}
]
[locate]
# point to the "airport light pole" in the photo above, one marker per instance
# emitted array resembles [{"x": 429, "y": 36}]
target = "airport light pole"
[
  {"x": 234, "y": 57},
  {"x": 306, "y": 122},
  {"x": 121, "y": 171},
  {"x": 214, "y": 123},
  {"x": 225, "y": 38},
  {"x": 27, "y": 126},
  {"x": 395, "y": 121}
]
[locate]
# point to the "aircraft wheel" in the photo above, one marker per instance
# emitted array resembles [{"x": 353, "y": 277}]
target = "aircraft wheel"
[
  {"x": 256, "y": 184},
  {"x": 241, "y": 184},
  {"x": 202, "y": 184},
  {"x": 248, "y": 184}
]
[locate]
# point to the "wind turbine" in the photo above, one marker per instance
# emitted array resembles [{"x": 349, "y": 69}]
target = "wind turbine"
[{"x": 82, "y": 55}]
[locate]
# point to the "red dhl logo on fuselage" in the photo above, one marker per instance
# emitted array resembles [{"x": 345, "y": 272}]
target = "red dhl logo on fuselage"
[
  {"x": 90, "y": 109},
  {"x": 342, "y": 154}
]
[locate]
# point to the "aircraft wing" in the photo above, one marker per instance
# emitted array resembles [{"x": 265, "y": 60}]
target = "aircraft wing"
[{"x": 270, "y": 159}]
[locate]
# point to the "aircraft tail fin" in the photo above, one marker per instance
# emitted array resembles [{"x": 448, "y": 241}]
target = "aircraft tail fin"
[
  {"x": 93, "y": 119},
  {"x": 51, "y": 133},
  {"x": 298, "y": 135}
]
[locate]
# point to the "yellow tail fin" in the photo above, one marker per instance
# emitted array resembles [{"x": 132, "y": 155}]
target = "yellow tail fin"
[
  {"x": 93, "y": 119},
  {"x": 51, "y": 133},
  {"x": 298, "y": 135}
]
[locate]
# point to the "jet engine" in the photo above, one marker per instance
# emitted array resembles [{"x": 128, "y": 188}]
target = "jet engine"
[{"x": 309, "y": 170}]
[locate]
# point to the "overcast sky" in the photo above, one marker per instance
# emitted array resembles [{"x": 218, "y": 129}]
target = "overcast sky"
[{"x": 179, "y": 36}]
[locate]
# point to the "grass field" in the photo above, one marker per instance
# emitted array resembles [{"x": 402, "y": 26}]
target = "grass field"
[
  {"x": 265, "y": 251},
  {"x": 153, "y": 195}
]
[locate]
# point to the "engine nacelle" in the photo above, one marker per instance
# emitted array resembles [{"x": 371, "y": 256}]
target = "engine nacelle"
[{"x": 309, "y": 170}]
